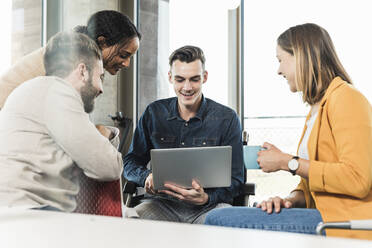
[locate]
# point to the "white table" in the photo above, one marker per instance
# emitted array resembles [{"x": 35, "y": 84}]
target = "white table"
[{"x": 33, "y": 228}]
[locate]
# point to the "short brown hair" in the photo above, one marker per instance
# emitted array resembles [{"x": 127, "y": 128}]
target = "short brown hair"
[
  {"x": 66, "y": 50},
  {"x": 187, "y": 54},
  {"x": 317, "y": 63}
]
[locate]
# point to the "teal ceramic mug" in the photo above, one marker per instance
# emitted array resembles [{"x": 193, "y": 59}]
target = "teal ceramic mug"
[{"x": 250, "y": 156}]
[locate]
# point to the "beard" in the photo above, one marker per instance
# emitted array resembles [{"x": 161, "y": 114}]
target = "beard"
[{"x": 88, "y": 94}]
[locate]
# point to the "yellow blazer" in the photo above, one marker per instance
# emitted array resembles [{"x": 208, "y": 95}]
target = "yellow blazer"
[{"x": 340, "y": 154}]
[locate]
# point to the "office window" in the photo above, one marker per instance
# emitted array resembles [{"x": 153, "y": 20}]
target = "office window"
[
  {"x": 5, "y": 42},
  {"x": 21, "y": 29},
  {"x": 169, "y": 24},
  {"x": 271, "y": 112},
  {"x": 191, "y": 25}
]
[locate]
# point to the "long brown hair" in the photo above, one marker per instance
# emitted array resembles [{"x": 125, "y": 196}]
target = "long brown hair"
[{"x": 317, "y": 63}]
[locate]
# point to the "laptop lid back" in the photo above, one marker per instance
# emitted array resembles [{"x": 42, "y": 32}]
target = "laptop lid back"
[{"x": 211, "y": 166}]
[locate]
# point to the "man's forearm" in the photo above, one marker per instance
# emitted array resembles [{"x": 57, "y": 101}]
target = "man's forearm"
[
  {"x": 111, "y": 133},
  {"x": 134, "y": 172}
]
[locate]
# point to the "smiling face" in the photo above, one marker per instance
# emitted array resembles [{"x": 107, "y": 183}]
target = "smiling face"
[
  {"x": 287, "y": 67},
  {"x": 93, "y": 87},
  {"x": 187, "y": 80},
  {"x": 116, "y": 58}
]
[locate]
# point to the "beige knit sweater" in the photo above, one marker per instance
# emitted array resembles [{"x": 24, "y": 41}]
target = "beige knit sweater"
[{"x": 46, "y": 139}]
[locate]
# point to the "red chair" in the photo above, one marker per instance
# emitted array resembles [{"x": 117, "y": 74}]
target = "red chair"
[
  {"x": 103, "y": 198},
  {"x": 99, "y": 198}
]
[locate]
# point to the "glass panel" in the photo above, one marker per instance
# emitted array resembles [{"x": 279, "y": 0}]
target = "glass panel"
[
  {"x": 5, "y": 42},
  {"x": 26, "y": 27},
  {"x": 210, "y": 34},
  {"x": 170, "y": 24}
]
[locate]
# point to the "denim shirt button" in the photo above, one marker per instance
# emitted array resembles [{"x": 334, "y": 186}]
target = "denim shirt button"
[
  {"x": 204, "y": 143},
  {"x": 183, "y": 143},
  {"x": 161, "y": 138},
  {"x": 186, "y": 124}
]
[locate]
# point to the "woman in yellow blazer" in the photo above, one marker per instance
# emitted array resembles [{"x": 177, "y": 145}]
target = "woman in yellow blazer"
[{"x": 334, "y": 156}]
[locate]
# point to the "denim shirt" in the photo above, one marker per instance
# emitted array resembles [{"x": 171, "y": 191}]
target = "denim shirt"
[{"x": 162, "y": 127}]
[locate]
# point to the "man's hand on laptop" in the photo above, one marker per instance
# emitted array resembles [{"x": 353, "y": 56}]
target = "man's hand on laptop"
[
  {"x": 196, "y": 195},
  {"x": 149, "y": 185}
]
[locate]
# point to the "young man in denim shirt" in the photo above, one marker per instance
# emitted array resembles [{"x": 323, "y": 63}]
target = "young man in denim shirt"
[{"x": 187, "y": 120}]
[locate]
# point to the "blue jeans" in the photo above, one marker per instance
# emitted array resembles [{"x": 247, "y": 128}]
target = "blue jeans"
[{"x": 298, "y": 220}]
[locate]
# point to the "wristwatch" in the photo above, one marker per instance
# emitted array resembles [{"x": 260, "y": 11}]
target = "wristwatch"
[{"x": 293, "y": 165}]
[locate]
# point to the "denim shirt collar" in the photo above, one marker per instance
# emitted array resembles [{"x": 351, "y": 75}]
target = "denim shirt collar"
[{"x": 174, "y": 114}]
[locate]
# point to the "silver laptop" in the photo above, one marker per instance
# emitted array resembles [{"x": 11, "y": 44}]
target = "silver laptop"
[{"x": 211, "y": 166}]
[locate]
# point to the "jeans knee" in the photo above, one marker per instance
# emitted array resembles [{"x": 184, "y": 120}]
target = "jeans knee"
[{"x": 212, "y": 217}]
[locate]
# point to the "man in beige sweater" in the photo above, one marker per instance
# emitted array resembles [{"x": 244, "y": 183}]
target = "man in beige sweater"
[{"x": 46, "y": 137}]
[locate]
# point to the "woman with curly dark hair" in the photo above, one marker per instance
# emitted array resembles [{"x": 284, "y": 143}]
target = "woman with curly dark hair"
[{"x": 114, "y": 33}]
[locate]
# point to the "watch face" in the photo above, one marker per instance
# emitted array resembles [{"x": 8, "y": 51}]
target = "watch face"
[{"x": 293, "y": 164}]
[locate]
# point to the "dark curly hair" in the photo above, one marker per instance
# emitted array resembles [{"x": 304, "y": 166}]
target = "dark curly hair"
[{"x": 113, "y": 26}]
